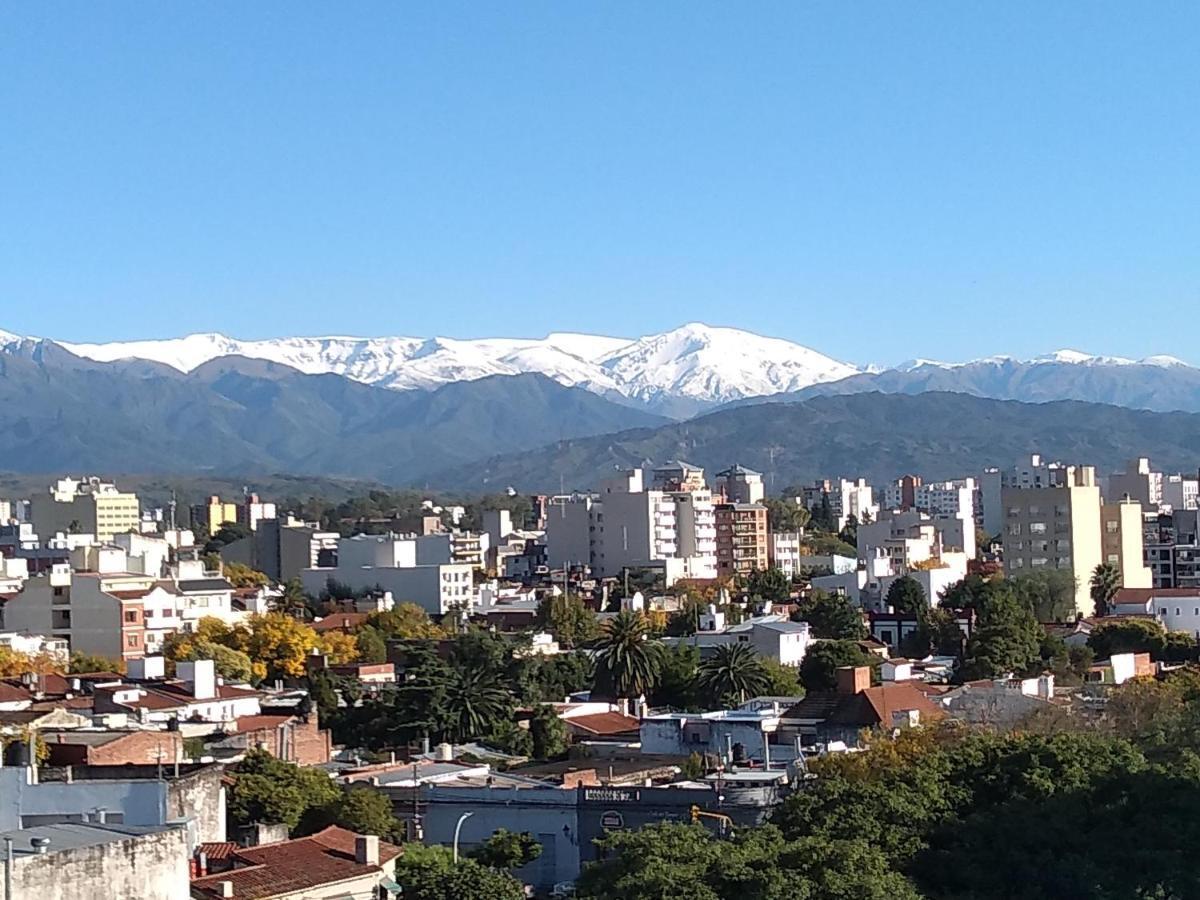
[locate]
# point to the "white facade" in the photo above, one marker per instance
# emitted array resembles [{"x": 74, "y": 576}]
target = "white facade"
[
  {"x": 436, "y": 589},
  {"x": 772, "y": 636},
  {"x": 846, "y": 498},
  {"x": 1179, "y": 492}
]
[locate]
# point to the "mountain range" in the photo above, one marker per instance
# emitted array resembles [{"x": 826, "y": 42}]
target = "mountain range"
[
  {"x": 679, "y": 373},
  {"x": 567, "y": 409},
  {"x": 878, "y": 436}
]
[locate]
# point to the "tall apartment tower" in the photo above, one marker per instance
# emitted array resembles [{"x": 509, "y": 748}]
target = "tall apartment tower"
[
  {"x": 1060, "y": 524},
  {"x": 742, "y": 543}
]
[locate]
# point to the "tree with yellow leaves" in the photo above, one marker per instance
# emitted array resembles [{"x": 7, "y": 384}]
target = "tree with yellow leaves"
[
  {"x": 338, "y": 647},
  {"x": 277, "y": 644},
  {"x": 14, "y": 663}
]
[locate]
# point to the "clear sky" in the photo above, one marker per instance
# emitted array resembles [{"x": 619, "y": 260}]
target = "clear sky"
[{"x": 876, "y": 180}]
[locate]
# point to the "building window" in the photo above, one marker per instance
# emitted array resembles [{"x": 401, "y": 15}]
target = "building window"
[
  {"x": 1111, "y": 526},
  {"x": 1037, "y": 527},
  {"x": 131, "y": 615},
  {"x": 132, "y": 640}
]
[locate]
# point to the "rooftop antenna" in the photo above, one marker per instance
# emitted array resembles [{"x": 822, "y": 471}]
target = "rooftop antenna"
[{"x": 172, "y": 507}]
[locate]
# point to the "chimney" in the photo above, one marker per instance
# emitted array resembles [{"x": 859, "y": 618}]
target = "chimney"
[
  {"x": 226, "y": 888},
  {"x": 853, "y": 679},
  {"x": 366, "y": 849}
]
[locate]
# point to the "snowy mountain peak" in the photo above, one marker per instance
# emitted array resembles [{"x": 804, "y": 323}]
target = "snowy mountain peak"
[{"x": 682, "y": 371}]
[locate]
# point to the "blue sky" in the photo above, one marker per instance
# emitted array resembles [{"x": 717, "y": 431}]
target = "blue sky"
[{"x": 878, "y": 181}]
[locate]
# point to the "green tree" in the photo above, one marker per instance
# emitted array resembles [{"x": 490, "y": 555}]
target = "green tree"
[
  {"x": 507, "y": 850},
  {"x": 225, "y": 535},
  {"x": 1128, "y": 636},
  {"x": 1007, "y": 639},
  {"x": 474, "y": 703},
  {"x": 732, "y": 675},
  {"x": 1048, "y": 593},
  {"x": 360, "y": 809},
  {"x": 1103, "y": 587},
  {"x": 567, "y": 618},
  {"x": 430, "y": 873},
  {"x": 372, "y": 648},
  {"x": 784, "y": 514},
  {"x": 784, "y": 681},
  {"x": 677, "y": 684},
  {"x": 509, "y": 737},
  {"x": 770, "y": 584},
  {"x": 548, "y": 732},
  {"x": 906, "y": 596},
  {"x": 818, "y": 670},
  {"x": 242, "y": 576},
  {"x": 271, "y": 791},
  {"x": 627, "y": 664},
  {"x": 831, "y": 616}
]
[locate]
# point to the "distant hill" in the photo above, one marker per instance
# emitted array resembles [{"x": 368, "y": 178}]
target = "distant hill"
[
  {"x": 877, "y": 435},
  {"x": 1160, "y": 383},
  {"x": 233, "y": 415}
]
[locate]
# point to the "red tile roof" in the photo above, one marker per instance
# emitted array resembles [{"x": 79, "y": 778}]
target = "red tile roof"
[
  {"x": 607, "y": 723},
  {"x": 14, "y": 693},
  {"x": 877, "y": 705},
  {"x": 218, "y": 850},
  {"x": 340, "y": 621},
  {"x": 257, "y": 723},
  {"x": 291, "y": 867},
  {"x": 1142, "y": 596}
]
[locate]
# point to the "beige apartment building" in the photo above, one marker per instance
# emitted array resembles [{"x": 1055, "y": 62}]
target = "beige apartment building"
[
  {"x": 1122, "y": 542},
  {"x": 87, "y": 506},
  {"x": 1062, "y": 524}
]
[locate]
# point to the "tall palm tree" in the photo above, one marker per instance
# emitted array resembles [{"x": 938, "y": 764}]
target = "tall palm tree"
[
  {"x": 733, "y": 675},
  {"x": 627, "y": 663},
  {"x": 475, "y": 702},
  {"x": 1106, "y": 581}
]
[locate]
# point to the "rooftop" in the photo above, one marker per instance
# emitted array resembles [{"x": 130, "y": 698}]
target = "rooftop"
[
  {"x": 293, "y": 867},
  {"x": 74, "y": 835}
]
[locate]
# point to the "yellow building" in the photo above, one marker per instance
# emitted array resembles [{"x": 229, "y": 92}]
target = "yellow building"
[
  {"x": 209, "y": 516},
  {"x": 87, "y": 506}
]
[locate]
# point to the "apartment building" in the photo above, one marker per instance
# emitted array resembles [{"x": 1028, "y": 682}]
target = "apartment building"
[
  {"x": 96, "y": 613},
  {"x": 282, "y": 548},
  {"x": 1032, "y": 472},
  {"x": 741, "y": 542},
  {"x": 1138, "y": 482},
  {"x": 737, "y": 484},
  {"x": 1122, "y": 542},
  {"x": 437, "y": 589},
  {"x": 845, "y": 499},
  {"x": 1058, "y": 525},
  {"x": 1180, "y": 493},
  {"x": 627, "y": 525},
  {"x": 85, "y": 506}
]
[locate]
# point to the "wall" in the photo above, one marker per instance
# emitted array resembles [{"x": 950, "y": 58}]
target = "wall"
[
  {"x": 200, "y": 796},
  {"x": 149, "y": 867},
  {"x": 139, "y": 802}
]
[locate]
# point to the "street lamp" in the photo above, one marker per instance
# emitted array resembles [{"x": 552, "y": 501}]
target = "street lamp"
[{"x": 457, "y": 828}]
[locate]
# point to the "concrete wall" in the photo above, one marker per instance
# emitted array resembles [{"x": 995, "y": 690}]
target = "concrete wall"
[
  {"x": 148, "y": 867},
  {"x": 138, "y": 802}
]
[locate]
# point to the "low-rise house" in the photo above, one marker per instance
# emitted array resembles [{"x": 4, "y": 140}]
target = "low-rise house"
[
  {"x": 88, "y": 747},
  {"x": 823, "y": 717},
  {"x": 330, "y": 865},
  {"x": 1176, "y": 609},
  {"x": 998, "y": 702},
  {"x": 773, "y": 636},
  {"x": 605, "y": 726},
  {"x": 734, "y": 735},
  {"x": 1120, "y": 668},
  {"x": 197, "y": 696},
  {"x": 297, "y": 739}
]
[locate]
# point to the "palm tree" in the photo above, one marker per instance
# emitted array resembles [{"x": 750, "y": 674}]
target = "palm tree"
[
  {"x": 733, "y": 674},
  {"x": 475, "y": 702},
  {"x": 627, "y": 663},
  {"x": 1106, "y": 581}
]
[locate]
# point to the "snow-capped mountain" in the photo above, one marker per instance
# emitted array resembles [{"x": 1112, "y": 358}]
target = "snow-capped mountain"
[{"x": 679, "y": 372}]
